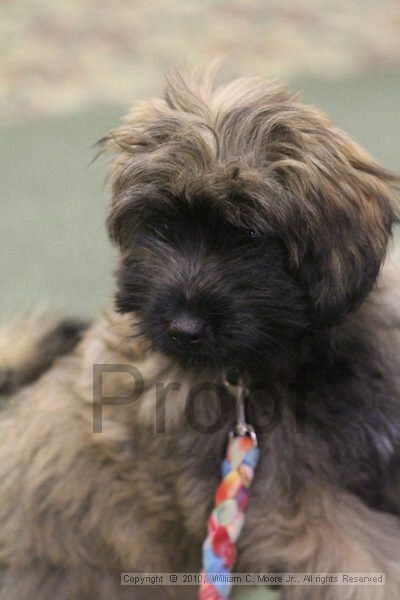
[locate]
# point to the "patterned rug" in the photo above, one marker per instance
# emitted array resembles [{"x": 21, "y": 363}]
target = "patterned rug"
[{"x": 66, "y": 55}]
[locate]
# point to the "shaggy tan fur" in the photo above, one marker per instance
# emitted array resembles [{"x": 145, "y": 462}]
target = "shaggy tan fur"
[
  {"x": 29, "y": 344},
  {"x": 78, "y": 507},
  {"x": 281, "y": 161}
]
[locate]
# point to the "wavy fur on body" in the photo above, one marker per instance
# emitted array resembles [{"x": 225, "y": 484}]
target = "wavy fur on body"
[
  {"x": 30, "y": 344},
  {"x": 290, "y": 303}
]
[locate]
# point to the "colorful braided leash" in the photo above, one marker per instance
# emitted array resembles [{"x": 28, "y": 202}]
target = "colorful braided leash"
[{"x": 226, "y": 520}]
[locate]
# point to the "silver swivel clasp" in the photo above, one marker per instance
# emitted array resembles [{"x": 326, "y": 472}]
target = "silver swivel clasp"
[{"x": 234, "y": 383}]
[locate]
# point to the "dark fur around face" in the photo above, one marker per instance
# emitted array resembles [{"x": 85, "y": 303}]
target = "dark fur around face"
[
  {"x": 247, "y": 208},
  {"x": 188, "y": 257}
]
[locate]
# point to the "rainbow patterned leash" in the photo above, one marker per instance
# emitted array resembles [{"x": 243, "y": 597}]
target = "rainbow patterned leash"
[{"x": 231, "y": 498}]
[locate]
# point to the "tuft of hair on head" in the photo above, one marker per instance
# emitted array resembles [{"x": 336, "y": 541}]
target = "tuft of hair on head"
[
  {"x": 271, "y": 163},
  {"x": 191, "y": 91}
]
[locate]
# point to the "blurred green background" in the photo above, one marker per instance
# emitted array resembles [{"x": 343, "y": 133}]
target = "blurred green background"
[{"x": 69, "y": 70}]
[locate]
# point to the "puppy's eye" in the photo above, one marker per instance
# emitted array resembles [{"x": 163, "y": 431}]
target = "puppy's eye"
[{"x": 251, "y": 234}]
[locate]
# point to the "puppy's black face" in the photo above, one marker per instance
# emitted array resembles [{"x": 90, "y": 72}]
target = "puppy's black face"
[{"x": 207, "y": 292}]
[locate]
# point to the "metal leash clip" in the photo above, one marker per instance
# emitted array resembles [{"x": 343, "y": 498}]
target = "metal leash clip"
[{"x": 236, "y": 386}]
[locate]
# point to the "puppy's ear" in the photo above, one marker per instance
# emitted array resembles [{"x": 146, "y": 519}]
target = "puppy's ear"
[{"x": 349, "y": 214}]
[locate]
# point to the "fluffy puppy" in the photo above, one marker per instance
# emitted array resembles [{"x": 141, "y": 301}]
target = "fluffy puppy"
[{"x": 251, "y": 234}]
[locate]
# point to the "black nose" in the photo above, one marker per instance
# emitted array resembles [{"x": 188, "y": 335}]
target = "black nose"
[{"x": 187, "y": 328}]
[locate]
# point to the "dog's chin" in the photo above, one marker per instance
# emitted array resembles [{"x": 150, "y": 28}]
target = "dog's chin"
[
  {"x": 195, "y": 358},
  {"x": 201, "y": 356}
]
